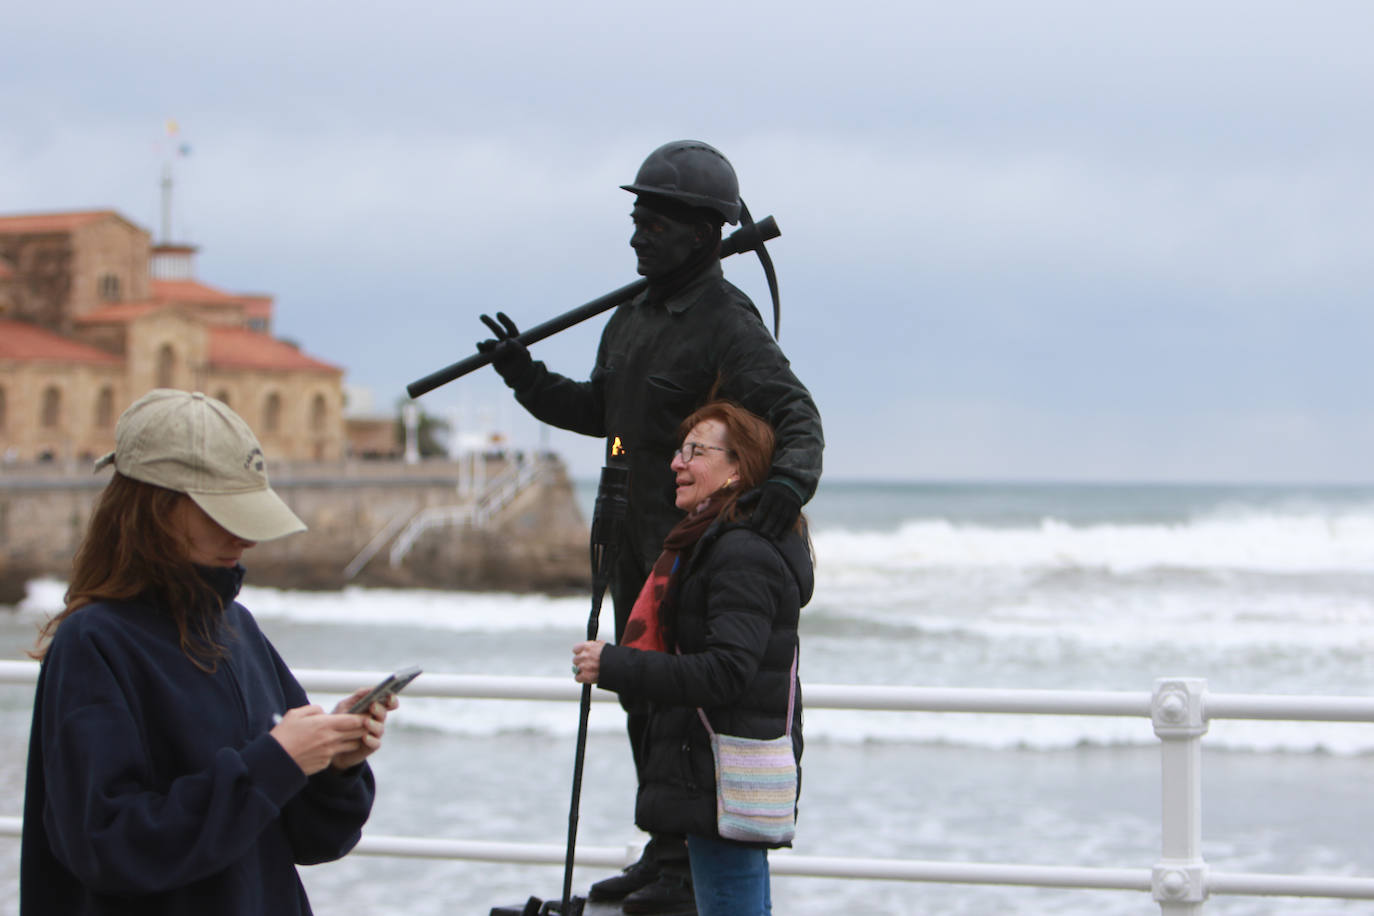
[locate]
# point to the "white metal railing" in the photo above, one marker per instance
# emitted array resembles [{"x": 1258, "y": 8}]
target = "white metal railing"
[
  {"x": 379, "y": 540},
  {"x": 405, "y": 528},
  {"x": 496, "y": 496},
  {"x": 502, "y": 491},
  {"x": 1180, "y": 709}
]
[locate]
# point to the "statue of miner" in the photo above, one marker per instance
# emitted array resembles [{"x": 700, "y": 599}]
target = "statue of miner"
[{"x": 690, "y": 335}]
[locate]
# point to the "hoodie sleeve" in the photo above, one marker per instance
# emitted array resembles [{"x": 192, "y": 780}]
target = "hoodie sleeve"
[
  {"x": 324, "y": 821},
  {"x": 110, "y": 819}
]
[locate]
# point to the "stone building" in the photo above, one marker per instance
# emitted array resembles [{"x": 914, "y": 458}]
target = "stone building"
[{"x": 93, "y": 315}]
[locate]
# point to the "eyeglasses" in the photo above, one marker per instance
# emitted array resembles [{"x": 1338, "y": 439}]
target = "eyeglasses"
[{"x": 692, "y": 450}]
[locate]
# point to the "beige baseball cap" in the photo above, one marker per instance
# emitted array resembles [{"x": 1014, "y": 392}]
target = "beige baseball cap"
[{"x": 194, "y": 444}]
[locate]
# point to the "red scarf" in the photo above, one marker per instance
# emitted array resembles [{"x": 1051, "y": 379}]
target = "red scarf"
[{"x": 647, "y": 626}]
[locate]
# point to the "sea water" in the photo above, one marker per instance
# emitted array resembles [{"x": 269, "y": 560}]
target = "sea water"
[{"x": 1256, "y": 589}]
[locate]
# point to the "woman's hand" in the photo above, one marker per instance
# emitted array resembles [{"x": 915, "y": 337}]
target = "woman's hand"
[
  {"x": 376, "y": 727},
  {"x": 587, "y": 661},
  {"x": 314, "y": 739}
]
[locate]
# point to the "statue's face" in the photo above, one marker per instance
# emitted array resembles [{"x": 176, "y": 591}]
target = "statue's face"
[{"x": 662, "y": 244}]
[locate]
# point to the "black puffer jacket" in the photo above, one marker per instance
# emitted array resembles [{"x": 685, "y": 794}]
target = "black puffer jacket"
[{"x": 737, "y": 607}]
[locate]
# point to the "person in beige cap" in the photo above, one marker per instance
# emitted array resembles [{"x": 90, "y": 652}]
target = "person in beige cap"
[
  {"x": 196, "y": 445},
  {"x": 175, "y": 764}
]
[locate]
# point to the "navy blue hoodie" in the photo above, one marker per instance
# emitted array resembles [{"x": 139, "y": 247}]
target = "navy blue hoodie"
[{"x": 154, "y": 787}]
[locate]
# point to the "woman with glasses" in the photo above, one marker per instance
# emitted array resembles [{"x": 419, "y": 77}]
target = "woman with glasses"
[{"x": 712, "y": 639}]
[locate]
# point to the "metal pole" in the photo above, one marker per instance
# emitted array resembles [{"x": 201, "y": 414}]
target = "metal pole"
[
  {"x": 166, "y": 202},
  {"x": 607, "y": 516},
  {"x": 1179, "y": 878},
  {"x": 410, "y": 415}
]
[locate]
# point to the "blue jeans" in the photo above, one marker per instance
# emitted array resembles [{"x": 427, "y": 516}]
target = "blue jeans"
[{"x": 730, "y": 879}]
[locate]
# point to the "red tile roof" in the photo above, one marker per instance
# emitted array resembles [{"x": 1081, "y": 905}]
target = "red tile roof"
[
  {"x": 238, "y": 348},
  {"x": 20, "y": 340},
  {"x": 53, "y": 222},
  {"x": 120, "y": 312},
  {"x": 167, "y": 293},
  {"x": 190, "y": 291},
  {"x": 257, "y": 306}
]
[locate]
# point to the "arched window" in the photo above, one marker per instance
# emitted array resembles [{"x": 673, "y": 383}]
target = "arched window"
[
  {"x": 104, "y": 408},
  {"x": 271, "y": 413},
  {"x": 166, "y": 366},
  {"x": 109, "y": 288},
  {"x": 319, "y": 414},
  {"x": 51, "y": 414}
]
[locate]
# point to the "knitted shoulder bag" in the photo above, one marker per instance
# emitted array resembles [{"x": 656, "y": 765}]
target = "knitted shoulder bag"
[{"x": 756, "y": 781}]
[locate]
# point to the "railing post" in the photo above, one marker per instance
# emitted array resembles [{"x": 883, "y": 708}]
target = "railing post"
[{"x": 1179, "y": 879}]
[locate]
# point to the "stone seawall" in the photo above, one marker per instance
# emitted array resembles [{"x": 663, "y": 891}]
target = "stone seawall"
[{"x": 533, "y": 539}]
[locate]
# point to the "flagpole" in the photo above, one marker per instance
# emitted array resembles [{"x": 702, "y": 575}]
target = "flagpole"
[{"x": 166, "y": 202}]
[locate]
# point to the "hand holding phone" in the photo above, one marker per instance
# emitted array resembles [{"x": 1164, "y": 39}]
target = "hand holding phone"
[{"x": 388, "y": 687}]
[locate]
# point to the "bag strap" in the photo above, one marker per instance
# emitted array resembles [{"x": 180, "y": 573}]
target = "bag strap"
[{"x": 791, "y": 701}]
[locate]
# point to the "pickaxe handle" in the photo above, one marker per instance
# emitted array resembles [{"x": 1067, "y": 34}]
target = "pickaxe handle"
[{"x": 746, "y": 238}]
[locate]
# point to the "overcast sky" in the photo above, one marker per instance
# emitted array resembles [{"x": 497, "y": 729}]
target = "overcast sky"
[{"x": 1056, "y": 240}]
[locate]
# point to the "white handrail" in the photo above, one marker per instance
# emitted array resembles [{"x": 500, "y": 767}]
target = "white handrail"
[
  {"x": 1180, "y": 709},
  {"x": 496, "y": 496},
  {"x": 405, "y": 527},
  {"x": 378, "y": 541},
  {"x": 850, "y": 696},
  {"x": 783, "y": 862}
]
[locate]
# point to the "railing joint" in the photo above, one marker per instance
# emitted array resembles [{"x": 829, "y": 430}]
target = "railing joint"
[
  {"x": 1178, "y": 708},
  {"x": 1178, "y": 881}
]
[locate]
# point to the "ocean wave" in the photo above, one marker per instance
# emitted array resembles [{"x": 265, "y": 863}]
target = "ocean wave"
[
  {"x": 956, "y": 610},
  {"x": 1298, "y": 615},
  {"x": 490, "y": 612},
  {"x": 1257, "y": 643},
  {"x": 478, "y": 612},
  {"x": 1257, "y": 541}
]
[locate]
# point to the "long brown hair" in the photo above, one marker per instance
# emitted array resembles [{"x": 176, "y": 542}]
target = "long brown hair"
[
  {"x": 133, "y": 549},
  {"x": 749, "y": 438}
]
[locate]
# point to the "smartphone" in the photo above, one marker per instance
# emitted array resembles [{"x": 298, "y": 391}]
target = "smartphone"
[{"x": 390, "y": 685}]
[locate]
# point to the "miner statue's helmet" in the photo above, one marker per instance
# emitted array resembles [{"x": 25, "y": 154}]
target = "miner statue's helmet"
[{"x": 692, "y": 173}]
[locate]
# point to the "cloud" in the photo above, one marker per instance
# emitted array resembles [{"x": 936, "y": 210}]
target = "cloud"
[
  {"x": 1071, "y": 237},
  {"x": 967, "y": 439}
]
